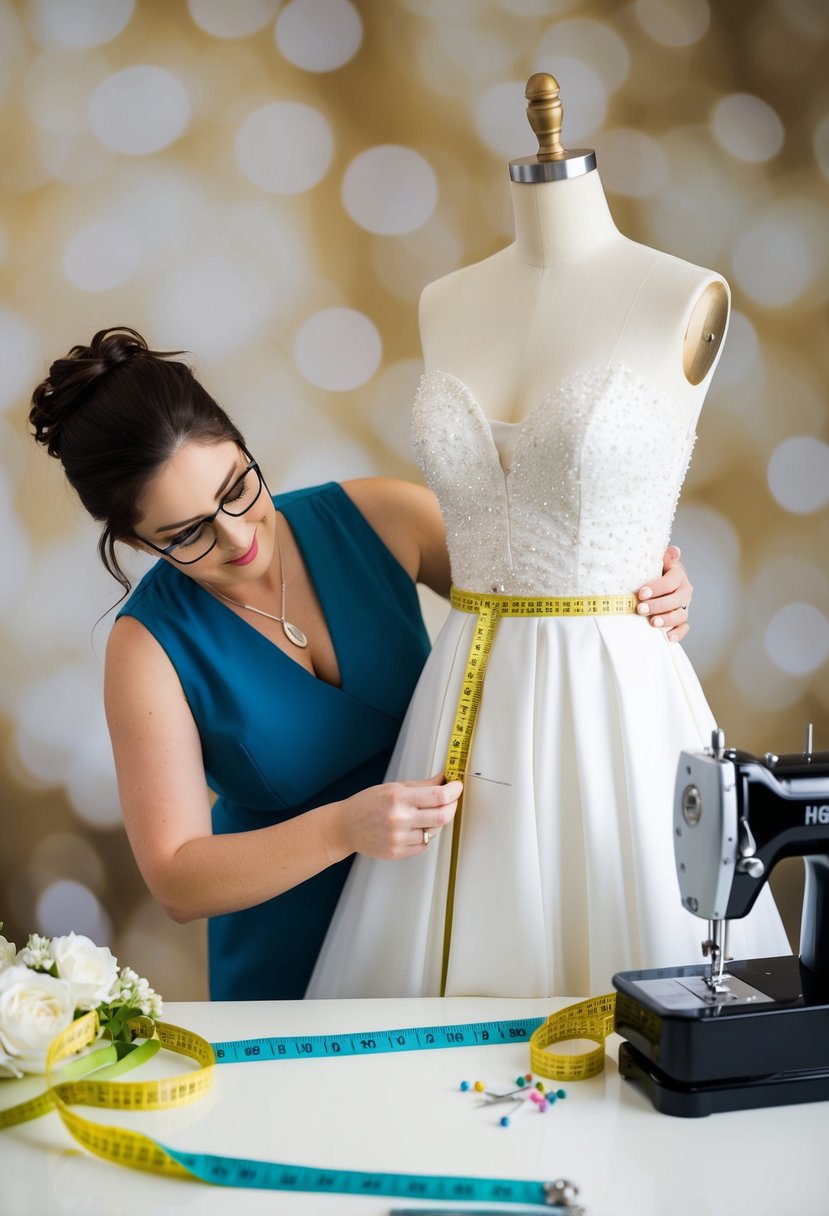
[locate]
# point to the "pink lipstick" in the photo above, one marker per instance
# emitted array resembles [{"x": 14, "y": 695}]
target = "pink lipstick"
[{"x": 248, "y": 557}]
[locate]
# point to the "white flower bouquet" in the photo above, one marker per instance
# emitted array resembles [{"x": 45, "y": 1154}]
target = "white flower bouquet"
[{"x": 54, "y": 980}]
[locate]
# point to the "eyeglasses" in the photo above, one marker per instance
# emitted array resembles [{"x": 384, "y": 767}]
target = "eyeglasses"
[{"x": 197, "y": 540}]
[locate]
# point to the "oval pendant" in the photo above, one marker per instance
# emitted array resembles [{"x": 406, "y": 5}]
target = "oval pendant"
[{"x": 294, "y": 634}]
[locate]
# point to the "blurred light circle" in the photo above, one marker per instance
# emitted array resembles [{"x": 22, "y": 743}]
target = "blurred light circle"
[
  {"x": 775, "y": 260},
  {"x": 798, "y": 474},
  {"x": 583, "y": 38},
  {"x": 711, "y": 547},
  {"x": 139, "y": 110},
  {"x": 285, "y": 147},
  {"x": 584, "y": 97},
  {"x": 741, "y": 353},
  {"x": 797, "y": 639},
  {"x": 102, "y": 255},
  {"x": 19, "y": 357},
  {"x": 78, "y": 23},
  {"x": 70, "y": 907},
  {"x": 747, "y": 127},
  {"x": 390, "y": 190},
  {"x": 319, "y": 35},
  {"x": 821, "y": 144},
  {"x": 673, "y": 22},
  {"x": 214, "y": 306},
  {"x": 235, "y": 20},
  {"x": 501, "y": 120},
  {"x": 338, "y": 349},
  {"x": 632, "y": 163}
]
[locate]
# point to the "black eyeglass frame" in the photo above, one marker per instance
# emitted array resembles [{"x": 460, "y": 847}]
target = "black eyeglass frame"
[{"x": 167, "y": 550}]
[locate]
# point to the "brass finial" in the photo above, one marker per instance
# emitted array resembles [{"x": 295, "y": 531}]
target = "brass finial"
[
  {"x": 545, "y": 114},
  {"x": 553, "y": 161}
]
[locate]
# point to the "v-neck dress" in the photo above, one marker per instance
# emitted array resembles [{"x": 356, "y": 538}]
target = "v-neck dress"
[{"x": 276, "y": 740}]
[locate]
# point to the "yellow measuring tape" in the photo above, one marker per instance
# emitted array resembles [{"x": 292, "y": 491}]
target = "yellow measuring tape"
[
  {"x": 118, "y": 1144},
  {"x": 590, "y": 1019},
  {"x": 489, "y": 610}
]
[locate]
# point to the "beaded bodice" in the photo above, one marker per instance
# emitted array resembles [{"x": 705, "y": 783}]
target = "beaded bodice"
[{"x": 578, "y": 499}]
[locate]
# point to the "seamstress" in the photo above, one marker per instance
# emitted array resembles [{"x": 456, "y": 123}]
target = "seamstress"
[{"x": 268, "y": 656}]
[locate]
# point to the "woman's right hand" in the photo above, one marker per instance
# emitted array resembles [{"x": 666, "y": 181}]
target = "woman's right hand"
[{"x": 392, "y": 821}]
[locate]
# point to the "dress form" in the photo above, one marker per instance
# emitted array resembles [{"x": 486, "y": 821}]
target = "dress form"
[
  {"x": 571, "y": 293},
  {"x": 554, "y": 423}
]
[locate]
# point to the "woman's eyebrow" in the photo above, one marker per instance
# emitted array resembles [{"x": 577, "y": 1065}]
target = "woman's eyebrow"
[{"x": 184, "y": 522}]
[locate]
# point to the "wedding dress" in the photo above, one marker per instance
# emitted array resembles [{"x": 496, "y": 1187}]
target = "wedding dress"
[{"x": 565, "y": 871}]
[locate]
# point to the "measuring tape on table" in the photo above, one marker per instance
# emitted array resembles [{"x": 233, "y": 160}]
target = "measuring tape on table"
[
  {"x": 592, "y": 1018},
  {"x": 489, "y": 609}
]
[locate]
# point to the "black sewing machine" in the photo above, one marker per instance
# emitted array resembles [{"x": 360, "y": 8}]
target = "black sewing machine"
[{"x": 731, "y": 1035}]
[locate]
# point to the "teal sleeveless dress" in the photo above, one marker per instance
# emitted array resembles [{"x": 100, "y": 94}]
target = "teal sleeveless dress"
[{"x": 276, "y": 740}]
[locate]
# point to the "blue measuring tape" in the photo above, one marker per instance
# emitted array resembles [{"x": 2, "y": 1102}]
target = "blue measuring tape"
[
  {"x": 376, "y": 1042},
  {"x": 274, "y": 1176}
]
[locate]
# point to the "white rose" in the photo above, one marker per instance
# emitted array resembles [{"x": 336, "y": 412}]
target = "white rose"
[
  {"x": 8, "y": 950},
  {"x": 91, "y": 970},
  {"x": 34, "y": 1007},
  {"x": 8, "y": 1066}
]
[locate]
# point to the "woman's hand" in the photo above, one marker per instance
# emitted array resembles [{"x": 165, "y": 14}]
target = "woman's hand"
[
  {"x": 398, "y": 819},
  {"x": 665, "y": 600}
]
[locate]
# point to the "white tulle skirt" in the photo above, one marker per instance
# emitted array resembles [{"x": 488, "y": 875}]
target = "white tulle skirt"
[{"x": 566, "y": 870}]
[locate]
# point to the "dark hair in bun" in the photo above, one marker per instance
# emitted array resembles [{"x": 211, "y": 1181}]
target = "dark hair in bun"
[{"x": 113, "y": 413}]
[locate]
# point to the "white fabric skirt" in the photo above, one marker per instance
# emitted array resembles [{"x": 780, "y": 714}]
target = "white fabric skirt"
[{"x": 566, "y": 868}]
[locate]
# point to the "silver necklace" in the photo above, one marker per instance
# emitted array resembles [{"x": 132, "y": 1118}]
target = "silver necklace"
[{"x": 292, "y": 632}]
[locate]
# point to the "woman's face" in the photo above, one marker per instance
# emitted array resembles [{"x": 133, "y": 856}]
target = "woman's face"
[{"x": 191, "y": 485}]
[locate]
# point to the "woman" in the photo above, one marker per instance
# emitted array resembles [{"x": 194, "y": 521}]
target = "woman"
[{"x": 268, "y": 657}]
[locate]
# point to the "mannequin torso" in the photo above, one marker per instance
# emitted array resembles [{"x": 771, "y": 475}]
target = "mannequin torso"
[{"x": 572, "y": 293}]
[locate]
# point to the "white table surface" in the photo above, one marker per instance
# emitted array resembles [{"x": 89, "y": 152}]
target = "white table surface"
[{"x": 405, "y": 1113}]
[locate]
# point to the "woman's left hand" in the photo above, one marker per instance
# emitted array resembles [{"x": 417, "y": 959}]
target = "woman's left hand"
[{"x": 665, "y": 600}]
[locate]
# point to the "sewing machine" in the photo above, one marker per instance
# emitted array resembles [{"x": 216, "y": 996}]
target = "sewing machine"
[{"x": 731, "y": 1034}]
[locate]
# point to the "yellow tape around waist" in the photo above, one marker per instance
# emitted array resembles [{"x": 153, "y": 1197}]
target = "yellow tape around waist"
[{"x": 489, "y": 610}]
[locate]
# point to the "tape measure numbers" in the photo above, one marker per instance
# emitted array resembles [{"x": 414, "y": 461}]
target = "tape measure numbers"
[
  {"x": 489, "y": 609},
  {"x": 376, "y": 1042},
  {"x": 590, "y": 1019},
  {"x": 273, "y": 1176}
]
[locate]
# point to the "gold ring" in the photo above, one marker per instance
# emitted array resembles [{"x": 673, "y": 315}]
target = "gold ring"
[{"x": 427, "y": 835}]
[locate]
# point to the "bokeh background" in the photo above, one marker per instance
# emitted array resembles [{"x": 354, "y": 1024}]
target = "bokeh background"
[{"x": 270, "y": 185}]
